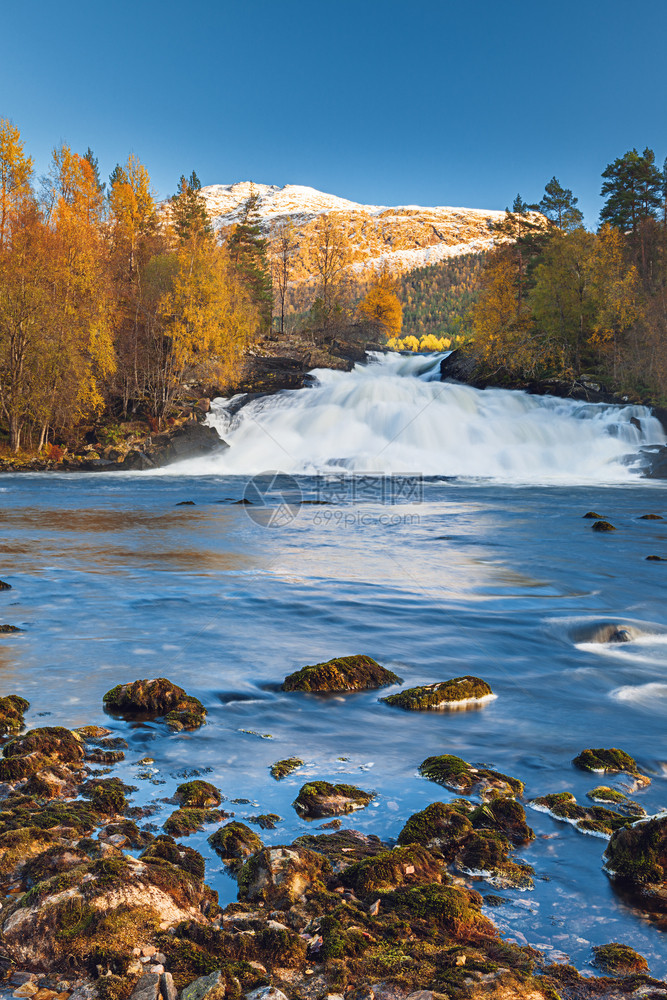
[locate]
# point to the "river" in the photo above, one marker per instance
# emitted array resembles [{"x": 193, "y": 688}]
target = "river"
[{"x": 463, "y": 550}]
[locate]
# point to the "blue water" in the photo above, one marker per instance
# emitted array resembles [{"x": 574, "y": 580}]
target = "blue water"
[{"x": 112, "y": 581}]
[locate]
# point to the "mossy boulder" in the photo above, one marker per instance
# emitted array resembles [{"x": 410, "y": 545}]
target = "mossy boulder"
[
  {"x": 459, "y": 692},
  {"x": 165, "y": 848},
  {"x": 609, "y": 761},
  {"x": 38, "y": 749},
  {"x": 12, "y": 709},
  {"x": 506, "y": 816},
  {"x": 283, "y": 768},
  {"x": 439, "y": 827},
  {"x": 592, "y": 516},
  {"x": 96, "y": 912},
  {"x": 321, "y": 798},
  {"x": 603, "y": 526},
  {"x": 637, "y": 857},
  {"x": 454, "y": 910},
  {"x": 619, "y": 959},
  {"x": 459, "y": 776},
  {"x": 235, "y": 841},
  {"x": 411, "y": 865},
  {"x": 344, "y": 673},
  {"x": 486, "y": 854},
  {"x": 279, "y": 876},
  {"x": 157, "y": 698},
  {"x": 344, "y": 847},
  {"x": 595, "y": 820},
  {"x": 185, "y": 821},
  {"x": 620, "y": 801},
  {"x": 198, "y": 794}
]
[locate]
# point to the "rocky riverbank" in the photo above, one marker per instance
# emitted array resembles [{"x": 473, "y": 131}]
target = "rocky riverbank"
[{"x": 97, "y": 902}]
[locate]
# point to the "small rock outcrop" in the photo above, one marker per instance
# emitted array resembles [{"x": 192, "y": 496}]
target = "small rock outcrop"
[
  {"x": 279, "y": 876},
  {"x": 157, "y": 698},
  {"x": 344, "y": 673},
  {"x": 235, "y": 842},
  {"x": 459, "y": 776},
  {"x": 321, "y": 798},
  {"x": 460, "y": 692}
]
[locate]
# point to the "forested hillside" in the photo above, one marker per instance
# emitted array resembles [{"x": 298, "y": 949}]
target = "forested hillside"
[{"x": 437, "y": 299}]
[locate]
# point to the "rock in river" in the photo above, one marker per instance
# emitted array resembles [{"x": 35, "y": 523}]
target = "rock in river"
[
  {"x": 460, "y": 692},
  {"x": 344, "y": 673},
  {"x": 157, "y": 698}
]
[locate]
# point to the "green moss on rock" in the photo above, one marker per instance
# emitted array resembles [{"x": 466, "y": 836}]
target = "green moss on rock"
[
  {"x": 157, "y": 698},
  {"x": 279, "y": 876},
  {"x": 282, "y": 768},
  {"x": 446, "y": 694},
  {"x": 185, "y": 821},
  {"x": 321, "y": 798},
  {"x": 344, "y": 847},
  {"x": 198, "y": 794},
  {"x": 505, "y": 815},
  {"x": 637, "y": 855},
  {"x": 587, "y": 819},
  {"x": 459, "y": 776},
  {"x": 387, "y": 871},
  {"x": 606, "y": 761},
  {"x": 439, "y": 827},
  {"x": 486, "y": 853},
  {"x": 619, "y": 959},
  {"x": 235, "y": 841},
  {"x": 165, "y": 848},
  {"x": 52, "y": 742},
  {"x": 603, "y": 526},
  {"x": 624, "y": 805},
  {"x": 12, "y": 709},
  {"x": 344, "y": 673}
]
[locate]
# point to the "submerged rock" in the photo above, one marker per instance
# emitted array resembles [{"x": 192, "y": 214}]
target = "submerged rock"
[
  {"x": 619, "y": 959},
  {"x": 592, "y": 516},
  {"x": 12, "y": 708},
  {"x": 321, "y": 798},
  {"x": 651, "y": 517},
  {"x": 283, "y": 768},
  {"x": 459, "y": 776},
  {"x": 157, "y": 698},
  {"x": 603, "y": 526},
  {"x": 235, "y": 841},
  {"x": 344, "y": 673},
  {"x": 595, "y": 820},
  {"x": 456, "y": 693}
]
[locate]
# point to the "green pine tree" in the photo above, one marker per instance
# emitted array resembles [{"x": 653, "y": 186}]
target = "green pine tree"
[
  {"x": 248, "y": 250},
  {"x": 189, "y": 216},
  {"x": 559, "y": 205},
  {"x": 633, "y": 189},
  {"x": 92, "y": 159}
]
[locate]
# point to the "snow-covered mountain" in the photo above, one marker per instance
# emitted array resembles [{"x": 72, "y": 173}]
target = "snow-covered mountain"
[{"x": 402, "y": 238}]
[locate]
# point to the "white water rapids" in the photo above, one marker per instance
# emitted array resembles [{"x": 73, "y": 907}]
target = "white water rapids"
[{"x": 394, "y": 415}]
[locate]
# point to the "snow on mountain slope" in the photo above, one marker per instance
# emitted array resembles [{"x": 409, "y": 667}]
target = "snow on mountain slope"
[{"x": 401, "y": 238}]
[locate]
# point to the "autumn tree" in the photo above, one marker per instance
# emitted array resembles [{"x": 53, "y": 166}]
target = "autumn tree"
[
  {"x": 283, "y": 251},
  {"x": 617, "y": 290},
  {"x": 331, "y": 255},
  {"x": 522, "y": 235},
  {"x": 15, "y": 174},
  {"x": 381, "y": 307},
  {"x": 563, "y": 300}
]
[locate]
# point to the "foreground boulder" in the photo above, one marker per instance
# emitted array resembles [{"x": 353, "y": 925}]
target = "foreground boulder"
[
  {"x": 279, "y": 876},
  {"x": 619, "y": 959},
  {"x": 460, "y": 692},
  {"x": 344, "y": 673},
  {"x": 595, "y": 820},
  {"x": 610, "y": 761},
  {"x": 157, "y": 698},
  {"x": 41, "y": 749},
  {"x": 321, "y": 798},
  {"x": 100, "y": 907}
]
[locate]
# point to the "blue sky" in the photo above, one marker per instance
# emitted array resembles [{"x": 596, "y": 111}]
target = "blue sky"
[{"x": 381, "y": 101}]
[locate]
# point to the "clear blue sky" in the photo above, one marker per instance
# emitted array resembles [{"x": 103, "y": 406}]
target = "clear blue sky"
[{"x": 383, "y": 101}]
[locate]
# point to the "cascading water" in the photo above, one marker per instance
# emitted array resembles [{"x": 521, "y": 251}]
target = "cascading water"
[{"x": 394, "y": 415}]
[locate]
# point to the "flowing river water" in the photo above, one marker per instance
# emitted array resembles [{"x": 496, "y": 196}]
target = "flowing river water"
[{"x": 446, "y": 537}]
